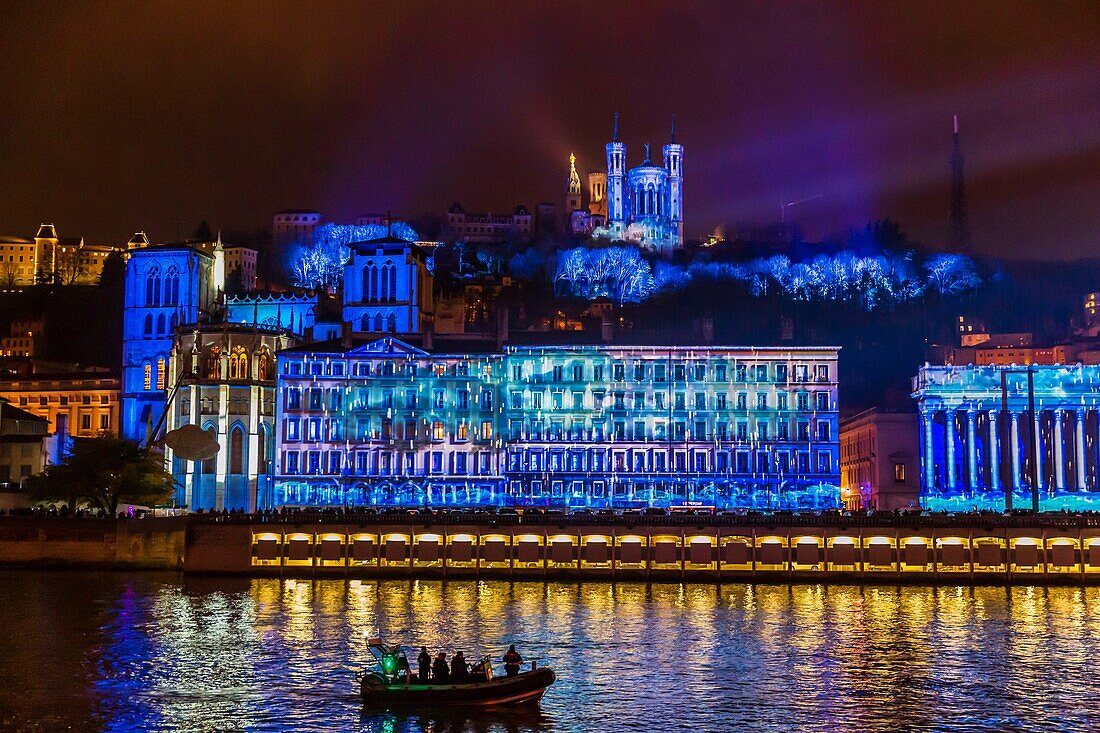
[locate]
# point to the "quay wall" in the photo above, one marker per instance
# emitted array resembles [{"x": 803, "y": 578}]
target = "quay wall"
[
  {"x": 1022, "y": 550},
  {"x": 153, "y": 544}
]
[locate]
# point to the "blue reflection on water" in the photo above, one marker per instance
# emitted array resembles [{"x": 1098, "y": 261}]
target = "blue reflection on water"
[{"x": 163, "y": 654}]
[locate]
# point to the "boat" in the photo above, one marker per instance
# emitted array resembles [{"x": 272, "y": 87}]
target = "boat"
[{"x": 391, "y": 683}]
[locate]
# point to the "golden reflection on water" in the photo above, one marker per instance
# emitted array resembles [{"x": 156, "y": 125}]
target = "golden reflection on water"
[{"x": 278, "y": 655}]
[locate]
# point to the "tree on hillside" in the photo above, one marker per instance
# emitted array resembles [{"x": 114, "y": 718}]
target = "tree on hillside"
[
  {"x": 114, "y": 271},
  {"x": 104, "y": 472}
]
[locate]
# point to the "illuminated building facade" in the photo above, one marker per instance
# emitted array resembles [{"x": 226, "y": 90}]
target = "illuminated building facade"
[
  {"x": 387, "y": 287},
  {"x": 880, "y": 460},
  {"x": 645, "y": 204},
  {"x": 225, "y": 383},
  {"x": 388, "y": 423},
  {"x": 49, "y": 258},
  {"x": 166, "y": 285},
  {"x": 973, "y": 449},
  {"x": 74, "y": 405}
]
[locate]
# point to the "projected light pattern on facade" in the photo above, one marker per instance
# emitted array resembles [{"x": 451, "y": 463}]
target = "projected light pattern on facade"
[
  {"x": 973, "y": 449},
  {"x": 386, "y": 423}
]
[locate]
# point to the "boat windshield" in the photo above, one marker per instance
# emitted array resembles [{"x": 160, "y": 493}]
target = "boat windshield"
[{"x": 391, "y": 659}]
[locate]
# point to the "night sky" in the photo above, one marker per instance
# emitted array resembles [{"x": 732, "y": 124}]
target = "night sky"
[{"x": 154, "y": 116}]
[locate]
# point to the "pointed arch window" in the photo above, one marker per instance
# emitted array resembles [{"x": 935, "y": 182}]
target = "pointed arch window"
[
  {"x": 162, "y": 377},
  {"x": 173, "y": 322},
  {"x": 378, "y": 322},
  {"x": 370, "y": 282},
  {"x": 261, "y": 451},
  {"x": 262, "y": 367},
  {"x": 236, "y": 451},
  {"x": 391, "y": 323},
  {"x": 366, "y": 322},
  {"x": 148, "y": 325},
  {"x": 172, "y": 286},
  {"x": 393, "y": 282},
  {"x": 214, "y": 363},
  {"x": 385, "y": 286},
  {"x": 238, "y": 363},
  {"x": 148, "y": 384},
  {"x": 210, "y": 465},
  {"x": 152, "y": 286},
  {"x": 160, "y": 324}
]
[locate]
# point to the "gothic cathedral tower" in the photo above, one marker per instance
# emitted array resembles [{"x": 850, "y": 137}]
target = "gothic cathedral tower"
[{"x": 573, "y": 196}]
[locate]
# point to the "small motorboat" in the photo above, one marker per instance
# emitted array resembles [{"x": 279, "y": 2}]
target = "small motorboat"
[{"x": 391, "y": 683}]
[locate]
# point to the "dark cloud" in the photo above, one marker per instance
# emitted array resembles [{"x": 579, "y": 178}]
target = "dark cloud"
[{"x": 122, "y": 116}]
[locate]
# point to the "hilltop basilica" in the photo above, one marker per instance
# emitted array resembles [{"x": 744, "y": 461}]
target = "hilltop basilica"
[{"x": 643, "y": 205}]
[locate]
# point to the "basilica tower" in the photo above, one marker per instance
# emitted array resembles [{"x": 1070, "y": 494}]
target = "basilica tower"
[
  {"x": 674, "y": 155},
  {"x": 616, "y": 175}
]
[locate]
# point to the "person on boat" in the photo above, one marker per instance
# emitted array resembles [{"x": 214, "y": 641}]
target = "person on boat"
[
  {"x": 512, "y": 660},
  {"x": 424, "y": 661},
  {"x": 458, "y": 668},
  {"x": 439, "y": 668}
]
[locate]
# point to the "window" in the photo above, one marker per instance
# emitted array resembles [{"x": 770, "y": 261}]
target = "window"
[
  {"x": 171, "y": 286},
  {"x": 517, "y": 372},
  {"x": 899, "y": 473},
  {"x": 658, "y": 372},
  {"x": 720, "y": 373},
  {"x": 315, "y": 398},
  {"x": 214, "y": 363},
  {"x": 824, "y": 463},
  {"x": 517, "y": 400},
  {"x": 160, "y": 324},
  {"x": 679, "y": 373},
  {"x": 823, "y": 431},
  {"x": 238, "y": 363},
  {"x": 293, "y": 399},
  {"x": 739, "y": 372},
  {"x": 557, "y": 372},
  {"x": 761, "y": 372},
  {"x": 261, "y": 452},
  {"x": 536, "y": 400},
  {"x": 391, "y": 323},
  {"x": 781, "y": 373},
  {"x": 152, "y": 287},
  {"x": 720, "y": 401},
  {"x": 700, "y": 401},
  {"x": 148, "y": 330},
  {"x": 291, "y": 461},
  {"x": 463, "y": 432},
  {"x": 821, "y": 372},
  {"x": 236, "y": 451},
  {"x": 85, "y": 422},
  {"x": 822, "y": 401},
  {"x": 148, "y": 376},
  {"x": 486, "y": 429},
  {"x": 639, "y": 372},
  {"x": 781, "y": 401},
  {"x": 105, "y": 422},
  {"x": 486, "y": 398},
  {"x": 680, "y": 401},
  {"x": 761, "y": 400},
  {"x": 700, "y": 372},
  {"x": 578, "y": 373},
  {"x": 618, "y": 372},
  {"x": 293, "y": 428},
  {"x": 803, "y": 401},
  {"x": 437, "y": 430},
  {"x": 463, "y": 396},
  {"x": 161, "y": 376},
  {"x": 742, "y": 401},
  {"x": 742, "y": 431}
]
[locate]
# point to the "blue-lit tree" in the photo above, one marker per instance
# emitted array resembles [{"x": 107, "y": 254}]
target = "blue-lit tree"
[{"x": 319, "y": 265}]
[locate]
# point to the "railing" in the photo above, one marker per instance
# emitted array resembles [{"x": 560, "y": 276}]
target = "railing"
[{"x": 770, "y": 521}]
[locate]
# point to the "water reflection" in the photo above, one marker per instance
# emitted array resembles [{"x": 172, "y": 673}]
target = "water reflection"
[{"x": 146, "y": 652}]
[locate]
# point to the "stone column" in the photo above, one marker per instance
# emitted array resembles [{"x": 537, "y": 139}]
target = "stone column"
[
  {"x": 1036, "y": 422},
  {"x": 1059, "y": 452},
  {"x": 929, "y": 472},
  {"x": 949, "y": 452},
  {"x": 1079, "y": 446},
  {"x": 994, "y": 453},
  {"x": 1014, "y": 447},
  {"x": 972, "y": 448}
]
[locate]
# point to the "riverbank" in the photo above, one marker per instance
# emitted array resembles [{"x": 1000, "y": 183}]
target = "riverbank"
[
  {"x": 63, "y": 542},
  {"x": 1055, "y": 548}
]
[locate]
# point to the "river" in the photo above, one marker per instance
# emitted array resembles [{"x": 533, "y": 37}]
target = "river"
[{"x": 91, "y": 651}]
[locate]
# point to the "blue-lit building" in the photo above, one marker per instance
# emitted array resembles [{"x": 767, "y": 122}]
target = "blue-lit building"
[
  {"x": 224, "y": 382},
  {"x": 645, "y": 204},
  {"x": 385, "y": 422},
  {"x": 166, "y": 285},
  {"x": 974, "y": 450}
]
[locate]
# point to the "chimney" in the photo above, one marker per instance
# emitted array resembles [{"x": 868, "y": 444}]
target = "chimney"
[{"x": 345, "y": 334}]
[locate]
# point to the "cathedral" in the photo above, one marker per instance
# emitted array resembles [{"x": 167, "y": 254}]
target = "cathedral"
[{"x": 643, "y": 205}]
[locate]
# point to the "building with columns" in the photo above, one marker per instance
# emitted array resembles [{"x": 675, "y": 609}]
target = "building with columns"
[{"x": 974, "y": 451}]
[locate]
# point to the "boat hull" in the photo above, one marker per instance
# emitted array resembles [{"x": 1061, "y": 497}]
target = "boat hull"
[{"x": 526, "y": 688}]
